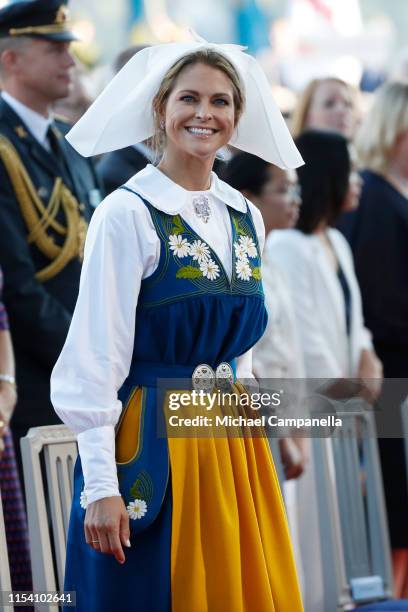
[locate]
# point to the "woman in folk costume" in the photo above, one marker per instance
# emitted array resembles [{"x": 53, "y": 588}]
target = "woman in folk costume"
[{"x": 170, "y": 288}]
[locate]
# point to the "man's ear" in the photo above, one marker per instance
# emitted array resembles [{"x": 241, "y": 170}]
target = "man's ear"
[{"x": 8, "y": 61}]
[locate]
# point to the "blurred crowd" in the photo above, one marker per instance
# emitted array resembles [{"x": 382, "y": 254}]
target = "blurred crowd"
[{"x": 334, "y": 269}]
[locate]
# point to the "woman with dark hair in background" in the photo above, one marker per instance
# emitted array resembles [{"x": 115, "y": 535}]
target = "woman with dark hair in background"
[{"x": 317, "y": 263}]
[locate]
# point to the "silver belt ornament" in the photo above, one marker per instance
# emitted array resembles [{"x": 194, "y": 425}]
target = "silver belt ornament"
[{"x": 205, "y": 379}]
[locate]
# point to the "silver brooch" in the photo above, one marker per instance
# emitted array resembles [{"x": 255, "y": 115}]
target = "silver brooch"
[{"x": 202, "y": 207}]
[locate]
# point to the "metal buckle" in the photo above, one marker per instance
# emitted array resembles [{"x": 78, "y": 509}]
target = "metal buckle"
[
  {"x": 203, "y": 378},
  {"x": 224, "y": 376}
]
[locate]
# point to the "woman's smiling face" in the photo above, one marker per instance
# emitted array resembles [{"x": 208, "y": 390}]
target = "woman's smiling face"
[{"x": 199, "y": 115}]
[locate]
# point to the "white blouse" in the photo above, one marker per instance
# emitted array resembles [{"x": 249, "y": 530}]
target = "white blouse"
[
  {"x": 278, "y": 353},
  {"x": 319, "y": 303},
  {"x": 122, "y": 248}
]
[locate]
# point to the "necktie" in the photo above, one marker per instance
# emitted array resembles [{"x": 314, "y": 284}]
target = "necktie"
[{"x": 53, "y": 139}]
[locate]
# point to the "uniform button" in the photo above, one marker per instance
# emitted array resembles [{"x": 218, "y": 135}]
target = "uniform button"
[{"x": 43, "y": 192}]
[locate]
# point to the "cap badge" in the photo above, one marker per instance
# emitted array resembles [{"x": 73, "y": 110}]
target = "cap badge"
[{"x": 62, "y": 14}]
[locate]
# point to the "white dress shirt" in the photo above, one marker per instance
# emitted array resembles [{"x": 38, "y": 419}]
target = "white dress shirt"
[
  {"x": 36, "y": 123},
  {"x": 122, "y": 248}
]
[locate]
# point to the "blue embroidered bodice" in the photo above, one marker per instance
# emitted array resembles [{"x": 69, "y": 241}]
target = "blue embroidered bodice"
[{"x": 189, "y": 311}]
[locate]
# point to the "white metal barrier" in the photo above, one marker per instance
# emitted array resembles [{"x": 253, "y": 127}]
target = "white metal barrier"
[{"x": 354, "y": 539}]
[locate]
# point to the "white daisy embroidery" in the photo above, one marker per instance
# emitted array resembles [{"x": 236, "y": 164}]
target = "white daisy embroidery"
[
  {"x": 82, "y": 500},
  {"x": 209, "y": 269},
  {"x": 179, "y": 245},
  {"x": 137, "y": 509},
  {"x": 199, "y": 251},
  {"x": 243, "y": 270},
  {"x": 248, "y": 246},
  {"x": 240, "y": 252}
]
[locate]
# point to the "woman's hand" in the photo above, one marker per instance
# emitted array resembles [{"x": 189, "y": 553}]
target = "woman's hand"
[
  {"x": 294, "y": 455},
  {"x": 370, "y": 372},
  {"x": 8, "y": 400},
  {"x": 107, "y": 526}
]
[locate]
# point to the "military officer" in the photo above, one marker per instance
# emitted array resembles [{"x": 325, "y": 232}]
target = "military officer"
[{"x": 47, "y": 194}]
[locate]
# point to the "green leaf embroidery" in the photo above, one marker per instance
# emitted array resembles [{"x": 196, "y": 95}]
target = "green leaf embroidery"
[
  {"x": 238, "y": 228},
  {"x": 256, "y": 273},
  {"x": 142, "y": 488},
  {"x": 188, "y": 272},
  {"x": 178, "y": 227}
]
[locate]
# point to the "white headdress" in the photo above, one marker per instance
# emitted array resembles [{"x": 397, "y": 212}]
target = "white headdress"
[{"x": 122, "y": 114}]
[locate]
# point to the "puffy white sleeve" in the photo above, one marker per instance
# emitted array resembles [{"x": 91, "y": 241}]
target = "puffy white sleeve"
[
  {"x": 121, "y": 248},
  {"x": 244, "y": 362}
]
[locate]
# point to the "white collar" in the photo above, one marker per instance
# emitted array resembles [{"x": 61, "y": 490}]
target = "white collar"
[
  {"x": 169, "y": 197},
  {"x": 36, "y": 123}
]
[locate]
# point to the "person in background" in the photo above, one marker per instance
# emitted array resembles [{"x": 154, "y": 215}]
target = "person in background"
[
  {"x": 47, "y": 195},
  {"x": 327, "y": 104},
  {"x": 115, "y": 168},
  {"x": 377, "y": 231},
  {"x": 317, "y": 263},
  {"x": 277, "y": 354},
  {"x": 15, "y": 521}
]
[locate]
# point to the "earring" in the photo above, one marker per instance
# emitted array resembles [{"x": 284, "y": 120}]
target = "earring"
[{"x": 162, "y": 124}]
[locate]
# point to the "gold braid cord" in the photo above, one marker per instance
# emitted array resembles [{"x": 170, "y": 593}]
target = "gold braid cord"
[{"x": 39, "y": 218}]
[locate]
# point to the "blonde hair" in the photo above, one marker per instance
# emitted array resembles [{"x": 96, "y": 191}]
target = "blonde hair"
[
  {"x": 298, "y": 122},
  {"x": 208, "y": 57},
  {"x": 386, "y": 120}
]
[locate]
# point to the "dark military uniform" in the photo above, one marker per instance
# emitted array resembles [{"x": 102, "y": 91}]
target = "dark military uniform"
[
  {"x": 46, "y": 201},
  {"x": 116, "y": 168}
]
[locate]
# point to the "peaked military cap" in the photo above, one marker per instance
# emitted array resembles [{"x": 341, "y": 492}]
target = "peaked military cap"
[{"x": 37, "y": 18}]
